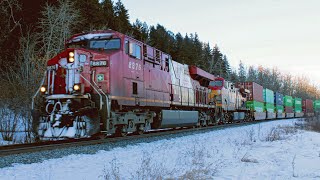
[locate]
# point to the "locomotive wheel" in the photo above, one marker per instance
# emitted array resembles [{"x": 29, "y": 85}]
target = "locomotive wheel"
[
  {"x": 203, "y": 123},
  {"x": 140, "y": 129},
  {"x": 121, "y": 131}
]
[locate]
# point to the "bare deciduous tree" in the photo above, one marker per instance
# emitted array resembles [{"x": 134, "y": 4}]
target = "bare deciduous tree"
[
  {"x": 23, "y": 80},
  {"x": 57, "y": 24}
]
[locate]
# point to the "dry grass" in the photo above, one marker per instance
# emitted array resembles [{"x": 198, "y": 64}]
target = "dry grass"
[
  {"x": 113, "y": 173},
  {"x": 200, "y": 168},
  {"x": 195, "y": 159},
  {"x": 8, "y": 124},
  {"x": 281, "y": 132},
  {"x": 313, "y": 124},
  {"x": 274, "y": 135},
  {"x": 246, "y": 158}
]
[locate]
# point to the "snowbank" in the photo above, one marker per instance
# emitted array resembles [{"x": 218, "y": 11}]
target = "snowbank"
[{"x": 258, "y": 151}]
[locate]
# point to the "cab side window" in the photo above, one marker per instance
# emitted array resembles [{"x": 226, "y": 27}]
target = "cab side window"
[
  {"x": 138, "y": 51},
  {"x": 133, "y": 49}
]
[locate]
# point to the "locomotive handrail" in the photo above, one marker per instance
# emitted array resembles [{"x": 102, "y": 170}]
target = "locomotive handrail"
[
  {"x": 107, "y": 98},
  {"x": 35, "y": 95},
  {"x": 94, "y": 89},
  {"x": 107, "y": 101}
]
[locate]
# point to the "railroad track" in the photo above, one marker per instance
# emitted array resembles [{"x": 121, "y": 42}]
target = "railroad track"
[{"x": 50, "y": 145}]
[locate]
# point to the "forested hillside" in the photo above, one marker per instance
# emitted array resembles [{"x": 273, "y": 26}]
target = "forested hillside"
[{"x": 31, "y": 33}]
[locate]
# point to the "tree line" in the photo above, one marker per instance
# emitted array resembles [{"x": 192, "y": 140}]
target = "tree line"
[
  {"x": 33, "y": 32},
  {"x": 274, "y": 79}
]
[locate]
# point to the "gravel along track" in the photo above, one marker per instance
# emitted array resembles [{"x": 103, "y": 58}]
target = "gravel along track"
[{"x": 36, "y": 154}]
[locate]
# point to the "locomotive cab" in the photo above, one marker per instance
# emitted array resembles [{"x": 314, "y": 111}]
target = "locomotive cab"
[
  {"x": 216, "y": 87},
  {"x": 217, "y": 84},
  {"x": 95, "y": 84}
]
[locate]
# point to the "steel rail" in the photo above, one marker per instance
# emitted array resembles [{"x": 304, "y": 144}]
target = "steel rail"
[{"x": 51, "y": 145}]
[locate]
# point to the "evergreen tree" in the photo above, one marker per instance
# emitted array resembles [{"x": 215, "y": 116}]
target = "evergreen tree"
[
  {"x": 242, "y": 72},
  {"x": 122, "y": 23},
  {"x": 186, "y": 50},
  {"x": 91, "y": 15},
  {"x": 226, "y": 69},
  {"x": 197, "y": 54},
  {"x": 177, "y": 48},
  {"x": 108, "y": 14},
  {"x": 252, "y": 74},
  {"x": 162, "y": 39},
  {"x": 216, "y": 64},
  {"x": 233, "y": 77},
  {"x": 206, "y": 56},
  {"x": 140, "y": 31}
]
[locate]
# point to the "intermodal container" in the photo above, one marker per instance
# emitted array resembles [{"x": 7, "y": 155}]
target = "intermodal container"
[
  {"x": 288, "y": 109},
  {"x": 278, "y": 98},
  {"x": 255, "y": 106},
  {"x": 288, "y": 101},
  {"x": 256, "y": 90},
  {"x": 279, "y": 109},
  {"x": 268, "y": 96},
  {"x": 269, "y": 107},
  {"x": 316, "y": 105},
  {"x": 297, "y": 105},
  {"x": 307, "y": 106}
]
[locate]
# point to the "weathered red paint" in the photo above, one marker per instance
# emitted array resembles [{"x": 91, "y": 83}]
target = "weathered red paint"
[
  {"x": 256, "y": 90},
  {"x": 307, "y": 106},
  {"x": 150, "y": 73},
  {"x": 218, "y": 87},
  {"x": 197, "y": 73}
]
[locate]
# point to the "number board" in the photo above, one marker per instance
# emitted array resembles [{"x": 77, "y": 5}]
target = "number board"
[
  {"x": 135, "y": 66},
  {"x": 102, "y": 63}
]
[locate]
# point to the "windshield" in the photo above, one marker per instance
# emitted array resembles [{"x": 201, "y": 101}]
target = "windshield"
[
  {"x": 109, "y": 44},
  {"x": 80, "y": 44},
  {"x": 215, "y": 83}
]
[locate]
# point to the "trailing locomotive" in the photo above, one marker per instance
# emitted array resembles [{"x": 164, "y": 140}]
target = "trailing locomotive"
[{"x": 108, "y": 83}]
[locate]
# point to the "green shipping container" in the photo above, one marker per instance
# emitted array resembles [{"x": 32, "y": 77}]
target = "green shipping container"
[
  {"x": 255, "y": 106},
  {"x": 297, "y": 105},
  {"x": 268, "y": 96},
  {"x": 288, "y": 101},
  {"x": 316, "y": 105},
  {"x": 279, "y": 109},
  {"x": 269, "y": 107}
]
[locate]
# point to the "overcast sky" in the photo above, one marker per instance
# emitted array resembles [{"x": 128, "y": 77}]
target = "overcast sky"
[{"x": 272, "y": 33}]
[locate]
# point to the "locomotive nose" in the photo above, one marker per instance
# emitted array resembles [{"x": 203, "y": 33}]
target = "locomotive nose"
[{"x": 63, "y": 72}]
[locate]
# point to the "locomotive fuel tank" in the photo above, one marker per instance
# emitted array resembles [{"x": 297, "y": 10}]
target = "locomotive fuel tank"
[{"x": 176, "y": 118}]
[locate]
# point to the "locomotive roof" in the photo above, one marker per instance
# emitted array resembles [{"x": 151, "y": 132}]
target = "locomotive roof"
[
  {"x": 101, "y": 34},
  {"x": 195, "y": 71}
]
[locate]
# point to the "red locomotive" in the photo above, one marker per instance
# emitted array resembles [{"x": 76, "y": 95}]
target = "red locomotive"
[{"x": 107, "y": 82}]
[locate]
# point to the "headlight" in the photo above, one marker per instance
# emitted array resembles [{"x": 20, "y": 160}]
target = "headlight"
[
  {"x": 71, "y": 60},
  {"x": 43, "y": 89},
  {"x": 71, "y": 54},
  {"x": 71, "y": 57},
  {"x": 76, "y": 87}
]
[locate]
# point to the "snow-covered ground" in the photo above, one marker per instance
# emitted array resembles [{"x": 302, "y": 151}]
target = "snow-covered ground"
[
  {"x": 3, "y": 142},
  {"x": 8, "y": 120},
  {"x": 270, "y": 150},
  {"x": 18, "y": 138}
]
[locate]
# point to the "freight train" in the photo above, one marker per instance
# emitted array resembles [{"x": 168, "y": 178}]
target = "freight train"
[{"x": 107, "y": 83}]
